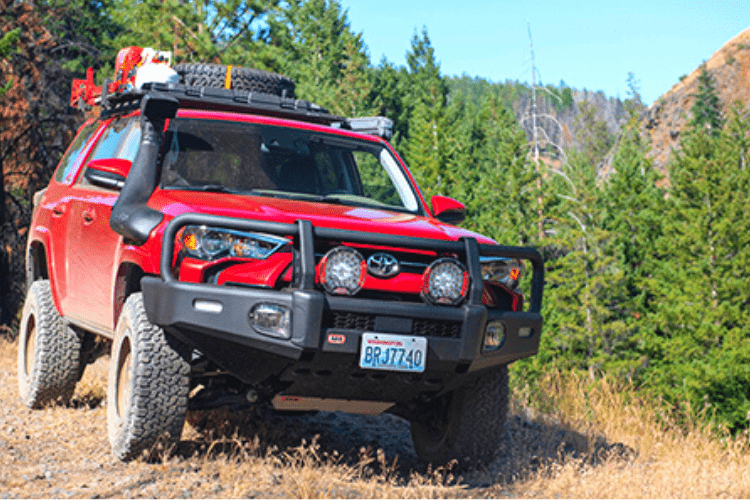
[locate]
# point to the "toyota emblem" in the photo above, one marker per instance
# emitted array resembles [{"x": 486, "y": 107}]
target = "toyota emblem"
[{"x": 383, "y": 265}]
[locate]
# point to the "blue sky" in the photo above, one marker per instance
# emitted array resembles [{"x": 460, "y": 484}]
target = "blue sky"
[{"x": 588, "y": 44}]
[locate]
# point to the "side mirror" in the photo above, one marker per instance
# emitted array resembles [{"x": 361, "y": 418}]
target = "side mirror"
[
  {"x": 448, "y": 210},
  {"x": 108, "y": 173}
]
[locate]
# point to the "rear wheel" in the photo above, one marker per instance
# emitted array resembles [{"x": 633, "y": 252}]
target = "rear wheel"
[
  {"x": 149, "y": 378},
  {"x": 255, "y": 80},
  {"x": 467, "y": 424},
  {"x": 49, "y": 353}
]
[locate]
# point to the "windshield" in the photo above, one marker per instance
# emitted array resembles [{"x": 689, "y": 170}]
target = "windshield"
[{"x": 265, "y": 160}]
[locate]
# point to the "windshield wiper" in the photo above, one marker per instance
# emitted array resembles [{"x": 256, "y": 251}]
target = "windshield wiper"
[
  {"x": 287, "y": 195},
  {"x": 208, "y": 188},
  {"x": 355, "y": 201}
]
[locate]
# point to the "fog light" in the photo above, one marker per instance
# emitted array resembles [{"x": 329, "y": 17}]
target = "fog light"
[
  {"x": 445, "y": 282},
  {"x": 272, "y": 320},
  {"x": 494, "y": 336},
  {"x": 343, "y": 271}
]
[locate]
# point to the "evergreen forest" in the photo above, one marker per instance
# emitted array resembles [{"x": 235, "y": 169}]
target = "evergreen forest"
[{"x": 647, "y": 272}]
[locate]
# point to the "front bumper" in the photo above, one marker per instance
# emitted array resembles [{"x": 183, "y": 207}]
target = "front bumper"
[{"x": 225, "y": 335}]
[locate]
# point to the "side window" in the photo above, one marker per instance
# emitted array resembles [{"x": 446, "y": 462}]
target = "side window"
[
  {"x": 110, "y": 142},
  {"x": 131, "y": 142},
  {"x": 120, "y": 140},
  {"x": 75, "y": 154}
]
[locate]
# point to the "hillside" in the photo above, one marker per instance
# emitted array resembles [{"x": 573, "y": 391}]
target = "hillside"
[
  {"x": 565, "y": 115},
  {"x": 665, "y": 119}
]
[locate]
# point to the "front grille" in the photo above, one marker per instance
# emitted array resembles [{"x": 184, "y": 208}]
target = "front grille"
[
  {"x": 350, "y": 321},
  {"x": 433, "y": 328},
  {"x": 366, "y": 323}
]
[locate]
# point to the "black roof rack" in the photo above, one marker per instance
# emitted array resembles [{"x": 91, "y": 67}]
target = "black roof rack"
[
  {"x": 243, "y": 101},
  {"x": 218, "y": 99}
]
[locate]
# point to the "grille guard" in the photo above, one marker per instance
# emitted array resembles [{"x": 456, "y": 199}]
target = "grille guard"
[{"x": 304, "y": 234}]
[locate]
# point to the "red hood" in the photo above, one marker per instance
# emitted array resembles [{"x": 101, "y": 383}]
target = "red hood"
[{"x": 174, "y": 203}]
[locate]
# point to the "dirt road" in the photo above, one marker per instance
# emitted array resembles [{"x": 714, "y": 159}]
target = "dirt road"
[{"x": 64, "y": 452}]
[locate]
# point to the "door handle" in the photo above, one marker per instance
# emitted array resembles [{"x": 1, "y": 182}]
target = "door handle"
[
  {"x": 88, "y": 216},
  {"x": 58, "y": 210}
]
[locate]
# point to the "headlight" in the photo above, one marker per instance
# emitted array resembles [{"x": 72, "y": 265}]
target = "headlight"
[
  {"x": 502, "y": 271},
  {"x": 343, "y": 271},
  {"x": 445, "y": 282},
  {"x": 210, "y": 243}
]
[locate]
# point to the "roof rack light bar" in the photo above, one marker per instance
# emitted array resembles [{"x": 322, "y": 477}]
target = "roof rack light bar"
[{"x": 373, "y": 125}]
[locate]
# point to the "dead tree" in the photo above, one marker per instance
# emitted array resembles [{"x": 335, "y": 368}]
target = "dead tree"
[{"x": 34, "y": 130}]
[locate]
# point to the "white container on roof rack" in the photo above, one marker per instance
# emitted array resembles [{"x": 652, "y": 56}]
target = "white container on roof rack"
[{"x": 155, "y": 73}]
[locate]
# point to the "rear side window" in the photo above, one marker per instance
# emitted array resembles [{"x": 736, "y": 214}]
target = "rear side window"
[{"x": 75, "y": 154}]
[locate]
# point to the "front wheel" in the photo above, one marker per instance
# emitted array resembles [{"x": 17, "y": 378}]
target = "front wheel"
[
  {"x": 465, "y": 425},
  {"x": 149, "y": 380}
]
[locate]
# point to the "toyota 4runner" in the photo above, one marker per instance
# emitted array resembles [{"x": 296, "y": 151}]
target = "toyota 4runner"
[{"x": 229, "y": 245}]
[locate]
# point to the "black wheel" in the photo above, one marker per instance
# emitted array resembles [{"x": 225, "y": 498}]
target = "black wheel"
[
  {"x": 49, "y": 353},
  {"x": 255, "y": 80},
  {"x": 467, "y": 424},
  {"x": 149, "y": 379}
]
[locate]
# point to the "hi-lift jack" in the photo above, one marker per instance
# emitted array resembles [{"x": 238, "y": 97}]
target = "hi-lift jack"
[{"x": 134, "y": 66}]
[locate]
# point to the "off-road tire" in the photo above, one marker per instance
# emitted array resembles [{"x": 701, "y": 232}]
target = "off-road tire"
[
  {"x": 254, "y": 80},
  {"x": 465, "y": 425},
  {"x": 149, "y": 379},
  {"x": 49, "y": 352}
]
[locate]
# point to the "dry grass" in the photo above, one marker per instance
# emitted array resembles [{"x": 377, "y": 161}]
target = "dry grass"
[
  {"x": 650, "y": 457},
  {"x": 584, "y": 440}
]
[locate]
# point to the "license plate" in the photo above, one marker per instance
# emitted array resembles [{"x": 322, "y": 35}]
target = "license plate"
[{"x": 401, "y": 353}]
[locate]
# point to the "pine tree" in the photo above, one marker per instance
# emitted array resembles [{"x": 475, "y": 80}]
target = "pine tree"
[
  {"x": 206, "y": 31},
  {"x": 420, "y": 83},
  {"x": 387, "y": 97},
  {"x": 585, "y": 285},
  {"x": 634, "y": 103},
  {"x": 592, "y": 137},
  {"x": 84, "y": 31},
  {"x": 702, "y": 304},
  {"x": 312, "y": 42},
  {"x": 495, "y": 180},
  {"x": 426, "y": 84},
  {"x": 634, "y": 208},
  {"x": 428, "y": 144},
  {"x": 427, "y": 148},
  {"x": 707, "y": 107}
]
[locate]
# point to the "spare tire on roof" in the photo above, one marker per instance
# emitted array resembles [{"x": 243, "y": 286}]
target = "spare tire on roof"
[{"x": 254, "y": 80}]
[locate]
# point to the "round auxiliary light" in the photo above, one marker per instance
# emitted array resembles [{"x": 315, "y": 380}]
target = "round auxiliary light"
[
  {"x": 343, "y": 271},
  {"x": 445, "y": 282}
]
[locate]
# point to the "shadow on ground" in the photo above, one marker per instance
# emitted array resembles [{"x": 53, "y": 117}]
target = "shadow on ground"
[{"x": 528, "y": 446}]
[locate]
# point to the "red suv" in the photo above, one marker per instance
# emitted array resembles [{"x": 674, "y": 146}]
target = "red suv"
[{"x": 233, "y": 247}]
